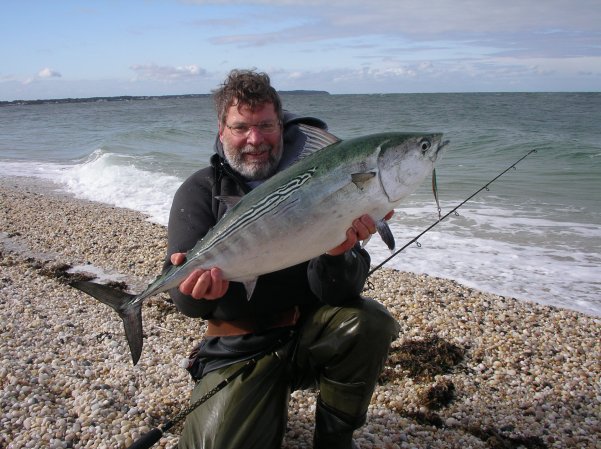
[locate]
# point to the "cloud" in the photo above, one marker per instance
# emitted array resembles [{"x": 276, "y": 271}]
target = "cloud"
[
  {"x": 512, "y": 27},
  {"x": 48, "y": 73},
  {"x": 436, "y": 16},
  {"x": 43, "y": 74},
  {"x": 167, "y": 73}
]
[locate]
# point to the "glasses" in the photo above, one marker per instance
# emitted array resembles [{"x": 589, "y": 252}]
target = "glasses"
[{"x": 242, "y": 129}]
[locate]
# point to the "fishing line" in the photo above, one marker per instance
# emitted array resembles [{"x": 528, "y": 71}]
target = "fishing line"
[
  {"x": 149, "y": 439},
  {"x": 452, "y": 211}
]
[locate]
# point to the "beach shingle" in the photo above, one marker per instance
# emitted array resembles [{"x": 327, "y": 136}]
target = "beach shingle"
[{"x": 528, "y": 375}]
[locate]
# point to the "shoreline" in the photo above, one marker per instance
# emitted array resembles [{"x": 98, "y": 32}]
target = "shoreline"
[{"x": 525, "y": 373}]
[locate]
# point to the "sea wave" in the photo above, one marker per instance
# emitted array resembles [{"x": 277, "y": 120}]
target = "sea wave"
[
  {"x": 108, "y": 178},
  {"x": 115, "y": 179},
  {"x": 486, "y": 253}
]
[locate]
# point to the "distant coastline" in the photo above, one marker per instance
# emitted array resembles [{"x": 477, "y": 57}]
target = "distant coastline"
[{"x": 141, "y": 97}]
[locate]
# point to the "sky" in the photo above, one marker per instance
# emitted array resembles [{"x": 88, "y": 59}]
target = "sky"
[{"x": 89, "y": 48}]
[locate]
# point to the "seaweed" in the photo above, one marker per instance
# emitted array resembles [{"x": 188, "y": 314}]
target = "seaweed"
[
  {"x": 119, "y": 285},
  {"x": 423, "y": 359},
  {"x": 493, "y": 438},
  {"x": 60, "y": 272},
  {"x": 496, "y": 440},
  {"x": 438, "y": 395},
  {"x": 426, "y": 418}
]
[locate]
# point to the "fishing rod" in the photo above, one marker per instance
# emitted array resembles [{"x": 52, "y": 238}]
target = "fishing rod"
[
  {"x": 452, "y": 211},
  {"x": 150, "y": 438},
  {"x": 147, "y": 440}
]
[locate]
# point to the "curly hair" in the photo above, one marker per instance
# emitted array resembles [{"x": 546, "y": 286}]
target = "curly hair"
[{"x": 245, "y": 87}]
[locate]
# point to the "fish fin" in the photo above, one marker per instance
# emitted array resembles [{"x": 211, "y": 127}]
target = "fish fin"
[
  {"x": 125, "y": 305},
  {"x": 385, "y": 234},
  {"x": 435, "y": 192},
  {"x": 250, "y": 287},
  {"x": 366, "y": 241},
  {"x": 317, "y": 139},
  {"x": 229, "y": 200},
  {"x": 359, "y": 179}
]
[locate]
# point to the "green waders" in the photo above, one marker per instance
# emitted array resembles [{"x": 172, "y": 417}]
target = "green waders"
[{"x": 339, "y": 350}]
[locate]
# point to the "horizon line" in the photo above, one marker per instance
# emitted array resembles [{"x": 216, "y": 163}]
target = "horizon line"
[{"x": 281, "y": 92}]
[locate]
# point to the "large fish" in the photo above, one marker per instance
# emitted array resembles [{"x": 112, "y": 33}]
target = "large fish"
[{"x": 296, "y": 215}]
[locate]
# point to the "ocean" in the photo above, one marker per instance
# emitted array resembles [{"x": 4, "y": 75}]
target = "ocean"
[{"x": 534, "y": 234}]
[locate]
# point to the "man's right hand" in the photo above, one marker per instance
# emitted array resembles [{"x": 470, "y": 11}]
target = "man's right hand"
[{"x": 201, "y": 284}]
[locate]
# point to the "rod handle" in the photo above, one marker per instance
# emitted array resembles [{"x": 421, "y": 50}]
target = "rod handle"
[{"x": 147, "y": 440}]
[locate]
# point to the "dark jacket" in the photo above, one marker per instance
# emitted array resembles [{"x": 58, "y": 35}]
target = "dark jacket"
[{"x": 195, "y": 210}]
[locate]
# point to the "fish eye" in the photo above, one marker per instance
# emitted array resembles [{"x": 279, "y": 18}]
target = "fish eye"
[{"x": 425, "y": 145}]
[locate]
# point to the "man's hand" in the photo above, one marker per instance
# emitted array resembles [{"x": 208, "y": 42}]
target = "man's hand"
[
  {"x": 362, "y": 228},
  {"x": 201, "y": 284}
]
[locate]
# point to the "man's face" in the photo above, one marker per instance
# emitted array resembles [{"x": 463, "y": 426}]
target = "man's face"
[{"x": 251, "y": 144}]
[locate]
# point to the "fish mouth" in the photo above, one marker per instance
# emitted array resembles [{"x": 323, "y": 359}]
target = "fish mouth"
[{"x": 439, "y": 149}]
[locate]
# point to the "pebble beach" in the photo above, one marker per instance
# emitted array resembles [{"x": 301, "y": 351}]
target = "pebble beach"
[{"x": 469, "y": 369}]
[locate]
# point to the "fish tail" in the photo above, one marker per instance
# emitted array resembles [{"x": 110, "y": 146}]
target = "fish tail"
[{"x": 123, "y": 303}]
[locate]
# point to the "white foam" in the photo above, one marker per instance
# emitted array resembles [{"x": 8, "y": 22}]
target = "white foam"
[
  {"x": 483, "y": 250},
  {"x": 107, "y": 178},
  {"x": 43, "y": 170}
]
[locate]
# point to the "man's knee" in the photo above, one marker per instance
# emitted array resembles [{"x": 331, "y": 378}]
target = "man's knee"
[
  {"x": 375, "y": 322},
  {"x": 358, "y": 335}
]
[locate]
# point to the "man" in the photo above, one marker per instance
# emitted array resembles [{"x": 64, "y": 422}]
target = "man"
[{"x": 307, "y": 325}]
